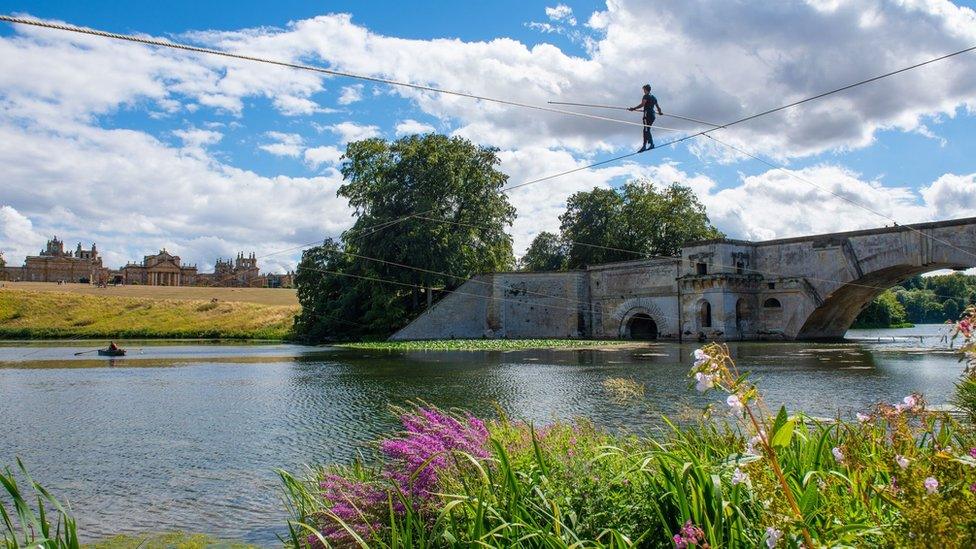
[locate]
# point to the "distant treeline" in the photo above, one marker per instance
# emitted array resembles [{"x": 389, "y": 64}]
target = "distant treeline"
[{"x": 920, "y": 300}]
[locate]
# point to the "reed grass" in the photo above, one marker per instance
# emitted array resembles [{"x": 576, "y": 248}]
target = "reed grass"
[{"x": 36, "y": 518}]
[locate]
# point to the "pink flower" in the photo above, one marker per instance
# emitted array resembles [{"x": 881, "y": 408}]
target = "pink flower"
[
  {"x": 863, "y": 418},
  {"x": 902, "y": 461},
  {"x": 689, "y": 534},
  {"x": 907, "y": 403},
  {"x": 931, "y": 485},
  {"x": 838, "y": 455},
  {"x": 972, "y": 453},
  {"x": 772, "y": 537}
]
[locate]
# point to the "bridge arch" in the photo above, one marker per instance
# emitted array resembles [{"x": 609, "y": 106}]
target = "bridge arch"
[{"x": 640, "y": 323}]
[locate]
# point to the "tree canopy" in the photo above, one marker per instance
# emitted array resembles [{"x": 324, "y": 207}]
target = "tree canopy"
[
  {"x": 634, "y": 222},
  {"x": 378, "y": 275},
  {"x": 921, "y": 300}
]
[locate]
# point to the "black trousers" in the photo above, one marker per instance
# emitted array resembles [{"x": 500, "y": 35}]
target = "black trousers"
[{"x": 648, "y": 121}]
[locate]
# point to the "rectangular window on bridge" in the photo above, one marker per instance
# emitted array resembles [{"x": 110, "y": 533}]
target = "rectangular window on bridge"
[{"x": 701, "y": 268}]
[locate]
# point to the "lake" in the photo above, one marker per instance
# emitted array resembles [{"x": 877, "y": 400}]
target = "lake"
[{"x": 186, "y": 435}]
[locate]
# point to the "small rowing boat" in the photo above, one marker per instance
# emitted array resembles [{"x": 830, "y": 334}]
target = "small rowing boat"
[{"x": 117, "y": 351}]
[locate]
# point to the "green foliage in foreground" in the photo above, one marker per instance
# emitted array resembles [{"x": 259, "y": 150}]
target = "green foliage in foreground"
[
  {"x": 899, "y": 476},
  {"x": 482, "y": 344},
  {"x": 572, "y": 484},
  {"x": 167, "y": 540},
  {"x": 59, "y": 315},
  {"x": 35, "y": 518}
]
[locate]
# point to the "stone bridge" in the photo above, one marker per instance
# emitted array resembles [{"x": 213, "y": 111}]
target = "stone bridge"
[{"x": 809, "y": 287}]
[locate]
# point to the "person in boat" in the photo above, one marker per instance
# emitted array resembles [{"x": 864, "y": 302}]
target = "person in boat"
[
  {"x": 112, "y": 346},
  {"x": 648, "y": 104}
]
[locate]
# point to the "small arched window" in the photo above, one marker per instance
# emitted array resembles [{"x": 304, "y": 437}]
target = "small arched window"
[
  {"x": 705, "y": 315},
  {"x": 772, "y": 303}
]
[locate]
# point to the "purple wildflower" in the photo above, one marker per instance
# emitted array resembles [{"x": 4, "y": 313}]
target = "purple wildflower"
[
  {"x": 413, "y": 461},
  {"x": 688, "y": 535},
  {"x": 972, "y": 452}
]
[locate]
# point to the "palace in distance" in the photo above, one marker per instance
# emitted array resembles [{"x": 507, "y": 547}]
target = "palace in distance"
[{"x": 55, "y": 264}]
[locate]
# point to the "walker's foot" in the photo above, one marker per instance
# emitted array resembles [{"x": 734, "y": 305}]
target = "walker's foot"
[{"x": 642, "y": 149}]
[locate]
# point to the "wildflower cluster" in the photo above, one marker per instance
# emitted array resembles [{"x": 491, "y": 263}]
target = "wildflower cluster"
[
  {"x": 690, "y": 536},
  {"x": 412, "y": 465}
]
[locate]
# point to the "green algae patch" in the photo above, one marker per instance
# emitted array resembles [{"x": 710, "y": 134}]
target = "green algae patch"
[{"x": 489, "y": 344}]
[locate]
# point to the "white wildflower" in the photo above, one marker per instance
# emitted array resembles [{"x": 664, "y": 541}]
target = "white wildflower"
[
  {"x": 738, "y": 477},
  {"x": 704, "y": 382},
  {"x": 735, "y": 405}
]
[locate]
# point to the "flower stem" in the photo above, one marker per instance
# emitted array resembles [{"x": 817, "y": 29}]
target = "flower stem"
[{"x": 774, "y": 460}]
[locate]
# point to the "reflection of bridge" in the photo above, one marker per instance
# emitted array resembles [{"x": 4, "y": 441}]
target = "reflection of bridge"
[{"x": 796, "y": 288}]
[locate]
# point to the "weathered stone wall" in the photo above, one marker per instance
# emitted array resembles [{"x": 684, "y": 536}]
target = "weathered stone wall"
[
  {"x": 506, "y": 305},
  {"x": 619, "y": 291},
  {"x": 796, "y": 288}
]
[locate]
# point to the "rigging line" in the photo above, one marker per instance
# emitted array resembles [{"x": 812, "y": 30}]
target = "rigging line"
[
  {"x": 791, "y": 173},
  {"x": 678, "y": 116},
  {"x": 760, "y": 114},
  {"x": 312, "y": 68},
  {"x": 464, "y": 278},
  {"x": 409, "y": 285},
  {"x": 717, "y": 265}
]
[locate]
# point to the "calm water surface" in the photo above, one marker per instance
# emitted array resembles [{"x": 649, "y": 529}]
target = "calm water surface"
[{"x": 187, "y": 435}]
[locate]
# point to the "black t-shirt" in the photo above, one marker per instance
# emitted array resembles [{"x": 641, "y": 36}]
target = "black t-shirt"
[{"x": 649, "y": 103}]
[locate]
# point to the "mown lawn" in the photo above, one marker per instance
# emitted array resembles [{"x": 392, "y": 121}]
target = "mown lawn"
[{"x": 58, "y": 315}]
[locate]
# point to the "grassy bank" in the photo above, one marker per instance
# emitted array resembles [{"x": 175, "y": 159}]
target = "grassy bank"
[
  {"x": 166, "y": 540},
  {"x": 59, "y": 315},
  {"x": 485, "y": 344}
]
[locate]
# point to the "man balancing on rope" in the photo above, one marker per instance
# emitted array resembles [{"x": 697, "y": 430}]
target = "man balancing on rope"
[{"x": 648, "y": 103}]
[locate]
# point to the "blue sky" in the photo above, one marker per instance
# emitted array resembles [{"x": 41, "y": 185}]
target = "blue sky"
[{"x": 207, "y": 158}]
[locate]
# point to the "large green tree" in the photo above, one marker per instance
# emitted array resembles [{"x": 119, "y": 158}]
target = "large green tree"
[
  {"x": 399, "y": 250},
  {"x": 545, "y": 253},
  {"x": 634, "y": 222}
]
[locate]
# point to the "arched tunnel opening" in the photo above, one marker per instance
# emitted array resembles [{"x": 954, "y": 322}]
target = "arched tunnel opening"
[{"x": 642, "y": 327}]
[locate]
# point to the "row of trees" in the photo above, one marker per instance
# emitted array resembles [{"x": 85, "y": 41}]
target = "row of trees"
[
  {"x": 634, "y": 222},
  {"x": 430, "y": 213},
  {"x": 920, "y": 300}
]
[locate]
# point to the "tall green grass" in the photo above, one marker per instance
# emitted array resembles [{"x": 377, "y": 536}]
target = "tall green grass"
[{"x": 30, "y": 522}]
